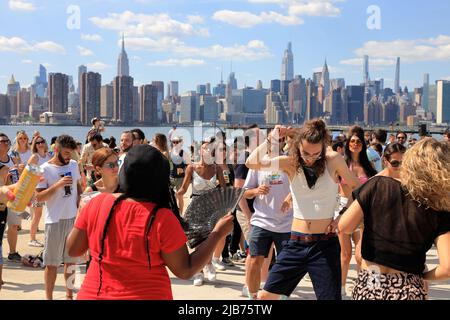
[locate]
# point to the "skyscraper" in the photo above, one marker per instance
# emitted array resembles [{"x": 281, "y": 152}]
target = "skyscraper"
[
  {"x": 325, "y": 79},
  {"x": 58, "y": 92},
  {"x": 106, "y": 101},
  {"x": 159, "y": 85},
  {"x": 123, "y": 99},
  {"x": 90, "y": 92},
  {"x": 366, "y": 69},
  {"x": 355, "y": 102},
  {"x": 426, "y": 92},
  {"x": 13, "y": 87},
  {"x": 287, "y": 66},
  {"x": 40, "y": 82},
  {"x": 443, "y": 102},
  {"x": 173, "y": 87},
  {"x": 149, "y": 104},
  {"x": 42, "y": 74},
  {"x": 397, "y": 88},
  {"x": 81, "y": 69},
  {"x": 123, "y": 68}
]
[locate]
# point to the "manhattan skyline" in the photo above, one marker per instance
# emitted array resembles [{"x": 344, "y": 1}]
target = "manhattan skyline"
[{"x": 191, "y": 42}]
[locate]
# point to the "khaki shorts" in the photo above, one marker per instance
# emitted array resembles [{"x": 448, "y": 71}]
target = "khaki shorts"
[
  {"x": 13, "y": 219},
  {"x": 55, "y": 251},
  {"x": 244, "y": 223}
]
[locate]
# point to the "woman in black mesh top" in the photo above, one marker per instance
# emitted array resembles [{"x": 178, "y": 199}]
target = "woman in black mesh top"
[{"x": 403, "y": 218}]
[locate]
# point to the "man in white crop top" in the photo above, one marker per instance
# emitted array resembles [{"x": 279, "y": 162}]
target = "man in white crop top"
[{"x": 313, "y": 247}]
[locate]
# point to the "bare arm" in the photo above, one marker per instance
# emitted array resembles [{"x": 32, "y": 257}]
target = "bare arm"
[
  {"x": 45, "y": 194},
  {"x": 442, "y": 271},
  {"x": 258, "y": 160},
  {"x": 342, "y": 170},
  {"x": 351, "y": 219},
  {"x": 77, "y": 242},
  {"x": 187, "y": 180},
  {"x": 34, "y": 159},
  {"x": 185, "y": 265},
  {"x": 239, "y": 183}
]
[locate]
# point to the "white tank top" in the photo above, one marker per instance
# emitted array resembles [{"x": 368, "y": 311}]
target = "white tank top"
[
  {"x": 200, "y": 185},
  {"x": 318, "y": 203}
]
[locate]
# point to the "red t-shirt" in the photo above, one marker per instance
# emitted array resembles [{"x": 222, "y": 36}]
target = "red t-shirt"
[{"x": 125, "y": 271}]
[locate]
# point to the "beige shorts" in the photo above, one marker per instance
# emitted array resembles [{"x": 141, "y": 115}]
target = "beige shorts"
[
  {"x": 55, "y": 251},
  {"x": 244, "y": 223},
  {"x": 13, "y": 219}
]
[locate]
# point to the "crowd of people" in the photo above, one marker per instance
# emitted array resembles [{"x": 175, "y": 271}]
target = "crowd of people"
[{"x": 312, "y": 201}]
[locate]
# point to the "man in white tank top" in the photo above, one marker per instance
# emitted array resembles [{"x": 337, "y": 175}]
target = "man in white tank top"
[{"x": 312, "y": 168}]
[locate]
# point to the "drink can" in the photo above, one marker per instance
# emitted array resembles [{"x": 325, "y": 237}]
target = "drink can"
[
  {"x": 15, "y": 176},
  {"x": 68, "y": 188},
  {"x": 25, "y": 187}
]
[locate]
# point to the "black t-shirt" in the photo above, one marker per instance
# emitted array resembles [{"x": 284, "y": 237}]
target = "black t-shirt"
[
  {"x": 397, "y": 231},
  {"x": 240, "y": 172}
]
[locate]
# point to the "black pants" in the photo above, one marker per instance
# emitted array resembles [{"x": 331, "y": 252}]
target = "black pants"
[
  {"x": 3, "y": 216},
  {"x": 233, "y": 240}
]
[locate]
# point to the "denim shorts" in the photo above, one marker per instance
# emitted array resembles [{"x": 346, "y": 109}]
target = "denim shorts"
[
  {"x": 261, "y": 241},
  {"x": 320, "y": 259}
]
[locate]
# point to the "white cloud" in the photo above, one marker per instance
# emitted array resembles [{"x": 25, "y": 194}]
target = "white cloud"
[
  {"x": 445, "y": 78},
  {"x": 19, "y": 45},
  {"x": 177, "y": 63},
  {"x": 253, "y": 50},
  {"x": 91, "y": 37},
  {"x": 84, "y": 51},
  {"x": 410, "y": 51},
  {"x": 293, "y": 11},
  {"x": 195, "y": 19},
  {"x": 19, "y": 5},
  {"x": 138, "y": 25},
  {"x": 98, "y": 66},
  {"x": 50, "y": 46},
  {"x": 27, "y": 61},
  {"x": 314, "y": 8},
  {"x": 245, "y": 19}
]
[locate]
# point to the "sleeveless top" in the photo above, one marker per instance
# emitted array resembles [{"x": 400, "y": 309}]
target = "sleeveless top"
[
  {"x": 41, "y": 160},
  {"x": 200, "y": 185},
  {"x": 318, "y": 203}
]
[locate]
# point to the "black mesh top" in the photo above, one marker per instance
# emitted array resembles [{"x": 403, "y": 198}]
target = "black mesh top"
[{"x": 397, "y": 231}]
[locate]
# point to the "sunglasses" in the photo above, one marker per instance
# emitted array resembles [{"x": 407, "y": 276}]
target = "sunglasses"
[
  {"x": 111, "y": 165},
  {"x": 356, "y": 141},
  {"x": 175, "y": 142},
  {"x": 40, "y": 142},
  {"x": 395, "y": 163},
  {"x": 401, "y": 138}
]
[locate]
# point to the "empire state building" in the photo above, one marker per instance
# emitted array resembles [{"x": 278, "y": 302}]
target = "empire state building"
[{"x": 123, "y": 68}]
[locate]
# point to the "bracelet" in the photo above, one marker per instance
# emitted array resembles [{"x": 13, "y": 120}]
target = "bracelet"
[{"x": 343, "y": 211}]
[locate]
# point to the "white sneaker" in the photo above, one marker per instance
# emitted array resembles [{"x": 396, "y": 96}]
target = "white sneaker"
[
  {"x": 245, "y": 292},
  {"x": 35, "y": 243},
  {"x": 218, "y": 265},
  {"x": 210, "y": 272},
  {"x": 198, "y": 279}
]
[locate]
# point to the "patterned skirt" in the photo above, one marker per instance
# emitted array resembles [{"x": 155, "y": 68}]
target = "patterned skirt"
[{"x": 399, "y": 286}]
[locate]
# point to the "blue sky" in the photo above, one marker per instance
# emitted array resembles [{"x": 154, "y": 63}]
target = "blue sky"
[{"x": 190, "y": 41}]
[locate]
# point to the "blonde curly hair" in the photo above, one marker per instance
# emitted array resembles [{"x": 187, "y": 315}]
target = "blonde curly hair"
[{"x": 425, "y": 173}]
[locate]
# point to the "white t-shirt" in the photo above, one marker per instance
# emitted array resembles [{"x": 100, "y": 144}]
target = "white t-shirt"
[
  {"x": 60, "y": 206},
  {"x": 24, "y": 157},
  {"x": 375, "y": 158},
  {"x": 268, "y": 214},
  {"x": 121, "y": 159}
]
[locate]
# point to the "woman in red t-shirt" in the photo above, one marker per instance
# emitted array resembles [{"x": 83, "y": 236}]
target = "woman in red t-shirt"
[{"x": 133, "y": 236}]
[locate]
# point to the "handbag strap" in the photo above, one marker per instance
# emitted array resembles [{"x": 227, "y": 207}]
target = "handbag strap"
[{"x": 147, "y": 232}]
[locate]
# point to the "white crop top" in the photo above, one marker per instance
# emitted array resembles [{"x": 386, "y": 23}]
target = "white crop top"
[
  {"x": 200, "y": 184},
  {"x": 318, "y": 203}
]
